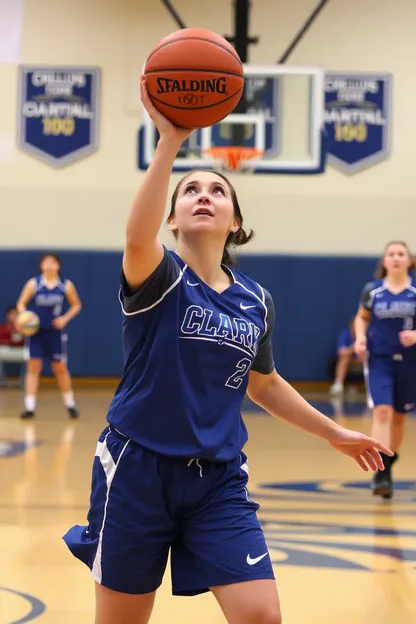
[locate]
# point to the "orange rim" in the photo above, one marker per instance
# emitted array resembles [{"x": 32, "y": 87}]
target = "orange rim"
[{"x": 233, "y": 157}]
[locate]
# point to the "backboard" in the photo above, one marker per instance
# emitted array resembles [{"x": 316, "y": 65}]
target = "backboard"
[{"x": 281, "y": 115}]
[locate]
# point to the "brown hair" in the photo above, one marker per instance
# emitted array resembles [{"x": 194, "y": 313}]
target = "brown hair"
[
  {"x": 381, "y": 269},
  {"x": 234, "y": 239}
]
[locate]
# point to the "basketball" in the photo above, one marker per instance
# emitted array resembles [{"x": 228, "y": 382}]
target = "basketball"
[
  {"x": 28, "y": 323},
  {"x": 194, "y": 78}
]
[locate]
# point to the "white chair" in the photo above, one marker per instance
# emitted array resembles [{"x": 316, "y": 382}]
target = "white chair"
[{"x": 11, "y": 355}]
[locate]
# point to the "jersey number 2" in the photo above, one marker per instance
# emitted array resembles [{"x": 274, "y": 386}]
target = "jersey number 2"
[{"x": 236, "y": 379}]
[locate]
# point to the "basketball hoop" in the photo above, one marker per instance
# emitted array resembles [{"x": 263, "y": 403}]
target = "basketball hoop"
[{"x": 233, "y": 158}]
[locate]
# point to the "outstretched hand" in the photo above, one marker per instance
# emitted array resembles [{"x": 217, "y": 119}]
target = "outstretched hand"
[{"x": 362, "y": 448}]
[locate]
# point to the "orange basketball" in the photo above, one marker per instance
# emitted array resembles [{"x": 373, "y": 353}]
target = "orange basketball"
[{"x": 194, "y": 77}]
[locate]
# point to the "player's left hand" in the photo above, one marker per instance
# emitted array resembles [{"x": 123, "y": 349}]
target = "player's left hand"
[
  {"x": 59, "y": 322},
  {"x": 407, "y": 337},
  {"x": 362, "y": 448}
]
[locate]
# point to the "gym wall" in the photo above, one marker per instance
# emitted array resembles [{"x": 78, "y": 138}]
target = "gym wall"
[{"x": 316, "y": 237}]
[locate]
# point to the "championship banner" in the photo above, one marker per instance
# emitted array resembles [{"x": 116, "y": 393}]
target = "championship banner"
[
  {"x": 357, "y": 119},
  {"x": 58, "y": 112}
]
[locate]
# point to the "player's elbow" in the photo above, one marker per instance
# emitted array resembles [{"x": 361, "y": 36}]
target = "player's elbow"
[{"x": 259, "y": 386}]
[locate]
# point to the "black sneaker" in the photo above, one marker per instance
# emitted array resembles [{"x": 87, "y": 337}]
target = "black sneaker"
[
  {"x": 383, "y": 483},
  {"x": 73, "y": 412},
  {"x": 27, "y": 414}
]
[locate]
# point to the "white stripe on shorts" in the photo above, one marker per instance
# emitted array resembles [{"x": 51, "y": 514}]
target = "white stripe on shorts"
[{"x": 109, "y": 468}]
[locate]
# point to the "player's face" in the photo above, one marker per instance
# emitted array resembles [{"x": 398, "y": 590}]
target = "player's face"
[
  {"x": 396, "y": 259},
  {"x": 50, "y": 266},
  {"x": 204, "y": 205},
  {"x": 11, "y": 316}
]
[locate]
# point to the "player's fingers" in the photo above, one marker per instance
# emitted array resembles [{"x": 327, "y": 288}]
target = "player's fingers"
[
  {"x": 376, "y": 444},
  {"x": 142, "y": 86},
  {"x": 361, "y": 463},
  {"x": 144, "y": 96},
  {"x": 371, "y": 459},
  {"x": 378, "y": 459}
]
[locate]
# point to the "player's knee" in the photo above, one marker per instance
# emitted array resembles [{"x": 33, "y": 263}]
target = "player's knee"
[
  {"x": 383, "y": 413},
  {"x": 34, "y": 366},
  {"x": 344, "y": 355},
  {"x": 265, "y": 614},
  {"x": 59, "y": 368}
]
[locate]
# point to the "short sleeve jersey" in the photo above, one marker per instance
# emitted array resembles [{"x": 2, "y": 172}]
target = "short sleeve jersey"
[
  {"x": 390, "y": 314},
  {"x": 188, "y": 351}
]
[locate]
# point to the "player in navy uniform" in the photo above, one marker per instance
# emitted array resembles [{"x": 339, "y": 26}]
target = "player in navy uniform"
[
  {"x": 169, "y": 471},
  {"x": 46, "y": 295},
  {"x": 385, "y": 329}
]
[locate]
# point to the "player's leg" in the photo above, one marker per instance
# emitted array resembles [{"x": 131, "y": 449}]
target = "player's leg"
[
  {"x": 57, "y": 351},
  {"x": 252, "y": 602},
  {"x": 129, "y": 531},
  {"x": 380, "y": 379},
  {"x": 382, "y": 422},
  {"x": 34, "y": 355},
  {"x": 398, "y": 427},
  {"x": 341, "y": 370},
  {"x": 221, "y": 546},
  {"x": 404, "y": 402},
  {"x": 113, "y": 607},
  {"x": 63, "y": 379}
]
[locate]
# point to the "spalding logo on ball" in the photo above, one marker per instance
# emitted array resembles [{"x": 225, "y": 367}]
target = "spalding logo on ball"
[
  {"x": 194, "y": 78},
  {"x": 28, "y": 323}
]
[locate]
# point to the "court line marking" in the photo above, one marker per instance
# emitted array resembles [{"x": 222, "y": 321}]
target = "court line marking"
[{"x": 37, "y": 607}]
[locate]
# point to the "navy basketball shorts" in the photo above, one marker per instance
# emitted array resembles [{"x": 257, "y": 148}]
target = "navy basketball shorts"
[
  {"x": 144, "y": 505},
  {"x": 48, "y": 344},
  {"x": 391, "y": 380}
]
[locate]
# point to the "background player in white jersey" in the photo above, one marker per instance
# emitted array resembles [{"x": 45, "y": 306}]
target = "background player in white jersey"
[
  {"x": 46, "y": 294},
  {"x": 385, "y": 329},
  {"x": 169, "y": 471}
]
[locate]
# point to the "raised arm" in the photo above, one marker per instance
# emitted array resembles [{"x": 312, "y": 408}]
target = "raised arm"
[{"x": 143, "y": 251}]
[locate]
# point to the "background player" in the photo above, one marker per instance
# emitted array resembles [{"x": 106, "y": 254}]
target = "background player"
[
  {"x": 347, "y": 359},
  {"x": 385, "y": 329},
  {"x": 9, "y": 336},
  {"x": 46, "y": 295},
  {"x": 169, "y": 472}
]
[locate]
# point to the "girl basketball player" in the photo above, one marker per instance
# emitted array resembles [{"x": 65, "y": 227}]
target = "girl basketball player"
[
  {"x": 385, "y": 330},
  {"x": 46, "y": 294},
  {"x": 169, "y": 471}
]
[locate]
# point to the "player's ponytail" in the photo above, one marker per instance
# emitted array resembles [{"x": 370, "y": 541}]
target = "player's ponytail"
[
  {"x": 381, "y": 271},
  {"x": 234, "y": 239}
]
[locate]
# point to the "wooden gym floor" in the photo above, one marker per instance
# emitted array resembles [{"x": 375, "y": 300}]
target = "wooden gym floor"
[{"x": 339, "y": 554}]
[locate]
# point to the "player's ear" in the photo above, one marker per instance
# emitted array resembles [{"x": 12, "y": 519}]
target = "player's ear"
[
  {"x": 235, "y": 225},
  {"x": 172, "y": 224}
]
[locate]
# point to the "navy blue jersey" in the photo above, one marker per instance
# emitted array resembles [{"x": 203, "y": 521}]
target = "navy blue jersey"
[
  {"x": 187, "y": 354},
  {"x": 390, "y": 314},
  {"x": 48, "y": 302}
]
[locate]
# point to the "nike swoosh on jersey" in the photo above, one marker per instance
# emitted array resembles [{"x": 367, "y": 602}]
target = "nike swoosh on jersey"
[
  {"x": 244, "y": 307},
  {"x": 251, "y": 561},
  {"x": 191, "y": 283}
]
